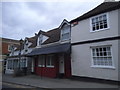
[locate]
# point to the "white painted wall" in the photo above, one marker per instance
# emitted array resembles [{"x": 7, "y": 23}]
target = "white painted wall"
[
  {"x": 81, "y": 32},
  {"x": 81, "y": 61}
]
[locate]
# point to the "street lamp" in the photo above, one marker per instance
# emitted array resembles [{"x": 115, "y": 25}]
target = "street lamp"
[
  {"x": 17, "y": 71},
  {"x": 21, "y": 42}
]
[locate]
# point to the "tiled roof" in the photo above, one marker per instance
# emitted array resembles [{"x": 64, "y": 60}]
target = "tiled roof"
[
  {"x": 10, "y": 40},
  {"x": 102, "y": 8},
  {"x": 54, "y": 36},
  {"x": 33, "y": 40},
  {"x": 42, "y": 32}
]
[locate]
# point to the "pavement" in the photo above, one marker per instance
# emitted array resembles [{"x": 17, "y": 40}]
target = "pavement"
[{"x": 43, "y": 82}]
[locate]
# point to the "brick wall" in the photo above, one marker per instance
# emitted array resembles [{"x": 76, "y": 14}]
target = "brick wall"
[{"x": 5, "y": 48}]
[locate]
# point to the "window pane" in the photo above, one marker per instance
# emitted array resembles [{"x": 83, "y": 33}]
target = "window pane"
[
  {"x": 104, "y": 17},
  {"x": 94, "y": 61},
  {"x": 41, "y": 61},
  {"x": 93, "y": 20},
  {"x": 65, "y": 36},
  {"x": 100, "y": 18},
  {"x": 50, "y": 61}
]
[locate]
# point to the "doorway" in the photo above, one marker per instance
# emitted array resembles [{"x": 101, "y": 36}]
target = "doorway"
[{"x": 61, "y": 65}]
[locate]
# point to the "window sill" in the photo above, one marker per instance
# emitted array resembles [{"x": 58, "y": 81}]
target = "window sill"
[
  {"x": 99, "y": 30},
  {"x": 104, "y": 67},
  {"x": 41, "y": 66},
  {"x": 50, "y": 66},
  {"x": 63, "y": 40},
  {"x": 10, "y": 69}
]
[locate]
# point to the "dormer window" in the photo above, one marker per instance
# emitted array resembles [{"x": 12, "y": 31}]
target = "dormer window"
[
  {"x": 65, "y": 32},
  {"x": 10, "y": 48},
  {"x": 40, "y": 39}
]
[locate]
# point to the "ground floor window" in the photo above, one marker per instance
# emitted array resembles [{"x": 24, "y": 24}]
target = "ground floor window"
[
  {"x": 14, "y": 63},
  {"x": 102, "y": 56},
  {"x": 46, "y": 61},
  {"x": 41, "y": 61},
  {"x": 23, "y": 63},
  {"x": 10, "y": 64},
  {"x": 50, "y": 61}
]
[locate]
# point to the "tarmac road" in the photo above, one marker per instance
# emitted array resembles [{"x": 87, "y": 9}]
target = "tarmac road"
[{"x": 11, "y": 86}]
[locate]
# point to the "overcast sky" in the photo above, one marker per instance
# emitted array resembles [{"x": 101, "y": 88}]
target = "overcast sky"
[{"x": 23, "y": 19}]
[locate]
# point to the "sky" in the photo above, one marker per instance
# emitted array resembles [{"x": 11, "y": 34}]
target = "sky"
[{"x": 24, "y": 19}]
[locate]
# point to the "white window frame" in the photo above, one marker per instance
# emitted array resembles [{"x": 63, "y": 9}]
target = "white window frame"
[
  {"x": 108, "y": 26},
  {"x": 16, "y": 64},
  {"x": 65, "y": 33},
  {"x": 51, "y": 66},
  {"x": 102, "y": 66},
  {"x": 40, "y": 39},
  {"x": 9, "y": 46},
  {"x": 8, "y": 68},
  {"x": 23, "y": 63},
  {"x": 43, "y": 61}
]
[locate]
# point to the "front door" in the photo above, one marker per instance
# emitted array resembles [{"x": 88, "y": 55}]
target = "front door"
[{"x": 61, "y": 63}]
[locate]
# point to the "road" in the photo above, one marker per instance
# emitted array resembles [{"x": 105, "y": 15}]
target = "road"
[{"x": 11, "y": 86}]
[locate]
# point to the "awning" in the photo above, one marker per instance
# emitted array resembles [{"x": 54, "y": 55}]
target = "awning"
[{"x": 51, "y": 49}]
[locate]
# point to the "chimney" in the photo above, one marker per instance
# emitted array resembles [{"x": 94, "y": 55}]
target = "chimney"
[{"x": 35, "y": 34}]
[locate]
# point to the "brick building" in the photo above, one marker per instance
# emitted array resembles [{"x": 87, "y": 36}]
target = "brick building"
[{"x": 5, "y": 45}]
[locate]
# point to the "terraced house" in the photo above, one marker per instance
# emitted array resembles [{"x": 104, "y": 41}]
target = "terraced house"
[
  {"x": 5, "y": 50},
  {"x": 86, "y": 47},
  {"x": 18, "y": 56},
  {"x": 51, "y": 56},
  {"x": 45, "y": 54},
  {"x": 95, "y": 39}
]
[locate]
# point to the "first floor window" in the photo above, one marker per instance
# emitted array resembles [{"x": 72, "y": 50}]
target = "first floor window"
[
  {"x": 50, "y": 61},
  {"x": 65, "y": 33},
  {"x": 102, "y": 56},
  {"x": 41, "y": 61},
  {"x": 99, "y": 22}
]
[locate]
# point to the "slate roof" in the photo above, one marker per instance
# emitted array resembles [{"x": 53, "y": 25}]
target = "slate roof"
[
  {"x": 54, "y": 36},
  {"x": 33, "y": 40},
  {"x": 102, "y": 8}
]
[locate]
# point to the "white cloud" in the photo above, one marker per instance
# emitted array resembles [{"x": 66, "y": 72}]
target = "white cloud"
[{"x": 23, "y": 19}]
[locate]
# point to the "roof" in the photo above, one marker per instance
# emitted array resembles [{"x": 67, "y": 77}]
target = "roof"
[
  {"x": 54, "y": 36},
  {"x": 42, "y": 32},
  {"x": 102, "y": 8},
  {"x": 10, "y": 40},
  {"x": 51, "y": 49},
  {"x": 33, "y": 40}
]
